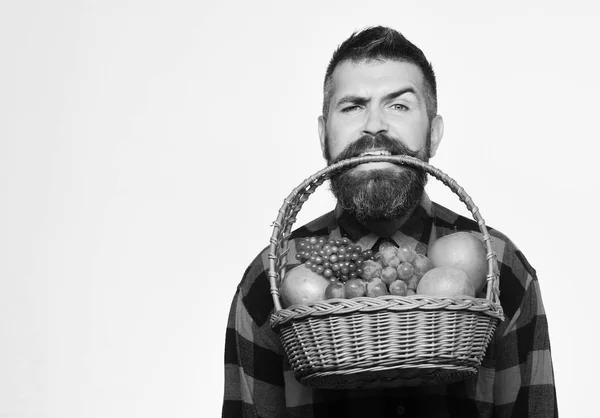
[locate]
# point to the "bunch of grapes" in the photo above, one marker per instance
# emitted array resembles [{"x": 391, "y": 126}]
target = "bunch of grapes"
[
  {"x": 334, "y": 258},
  {"x": 354, "y": 272}
]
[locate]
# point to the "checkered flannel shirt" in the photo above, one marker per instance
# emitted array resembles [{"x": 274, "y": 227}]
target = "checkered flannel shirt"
[{"x": 516, "y": 378}]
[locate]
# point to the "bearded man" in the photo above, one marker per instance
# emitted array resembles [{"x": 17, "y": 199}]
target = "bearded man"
[{"x": 380, "y": 97}]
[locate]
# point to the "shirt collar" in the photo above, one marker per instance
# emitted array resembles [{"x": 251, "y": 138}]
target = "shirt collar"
[{"x": 415, "y": 231}]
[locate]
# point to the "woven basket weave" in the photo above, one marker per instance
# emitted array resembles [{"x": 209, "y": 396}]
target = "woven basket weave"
[{"x": 386, "y": 341}]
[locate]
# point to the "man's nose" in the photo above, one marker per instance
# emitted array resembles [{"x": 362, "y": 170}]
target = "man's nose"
[{"x": 375, "y": 122}]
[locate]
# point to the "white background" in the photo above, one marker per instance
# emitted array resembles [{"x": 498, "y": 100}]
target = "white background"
[{"x": 146, "y": 146}]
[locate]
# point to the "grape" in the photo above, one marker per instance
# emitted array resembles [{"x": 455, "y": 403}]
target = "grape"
[
  {"x": 405, "y": 271},
  {"x": 406, "y": 253},
  {"x": 376, "y": 288},
  {"x": 422, "y": 265},
  {"x": 398, "y": 288},
  {"x": 371, "y": 269},
  {"x": 413, "y": 282},
  {"x": 333, "y": 258},
  {"x": 313, "y": 240},
  {"x": 327, "y": 273},
  {"x": 389, "y": 275},
  {"x": 386, "y": 254}
]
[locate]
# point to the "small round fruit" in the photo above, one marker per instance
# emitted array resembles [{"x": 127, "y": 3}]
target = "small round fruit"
[
  {"x": 394, "y": 262},
  {"x": 387, "y": 253},
  {"x": 376, "y": 287},
  {"x": 413, "y": 282},
  {"x": 389, "y": 275},
  {"x": 422, "y": 264},
  {"x": 463, "y": 250},
  {"x": 301, "y": 285},
  {"x": 371, "y": 269},
  {"x": 335, "y": 290},
  {"x": 405, "y": 270},
  {"x": 398, "y": 288},
  {"x": 445, "y": 281},
  {"x": 355, "y": 288},
  {"x": 406, "y": 253}
]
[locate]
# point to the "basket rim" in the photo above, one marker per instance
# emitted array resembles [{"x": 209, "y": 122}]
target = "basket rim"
[
  {"x": 386, "y": 303},
  {"x": 286, "y": 217}
]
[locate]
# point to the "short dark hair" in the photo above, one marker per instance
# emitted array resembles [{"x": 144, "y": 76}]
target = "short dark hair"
[{"x": 381, "y": 43}]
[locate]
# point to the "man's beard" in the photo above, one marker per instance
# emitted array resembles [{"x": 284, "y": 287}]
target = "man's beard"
[{"x": 376, "y": 195}]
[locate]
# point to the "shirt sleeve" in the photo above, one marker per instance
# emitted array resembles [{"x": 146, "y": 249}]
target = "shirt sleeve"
[
  {"x": 254, "y": 384},
  {"x": 524, "y": 381}
]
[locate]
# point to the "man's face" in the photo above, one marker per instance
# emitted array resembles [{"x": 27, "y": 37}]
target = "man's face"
[{"x": 378, "y": 107}]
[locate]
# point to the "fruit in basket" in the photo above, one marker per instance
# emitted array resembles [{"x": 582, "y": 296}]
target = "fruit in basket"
[
  {"x": 335, "y": 290},
  {"x": 377, "y": 287},
  {"x": 388, "y": 255},
  {"x": 371, "y": 269},
  {"x": 389, "y": 275},
  {"x": 413, "y": 282},
  {"x": 421, "y": 265},
  {"x": 462, "y": 250},
  {"x": 406, "y": 253},
  {"x": 355, "y": 288},
  {"x": 398, "y": 288},
  {"x": 445, "y": 281},
  {"x": 334, "y": 258},
  {"x": 405, "y": 270},
  {"x": 301, "y": 285}
]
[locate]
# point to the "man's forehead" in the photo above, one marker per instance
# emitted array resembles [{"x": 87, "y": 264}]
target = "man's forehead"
[{"x": 365, "y": 74}]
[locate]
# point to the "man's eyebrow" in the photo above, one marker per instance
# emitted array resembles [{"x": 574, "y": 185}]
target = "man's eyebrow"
[
  {"x": 359, "y": 100},
  {"x": 353, "y": 99},
  {"x": 402, "y": 91}
]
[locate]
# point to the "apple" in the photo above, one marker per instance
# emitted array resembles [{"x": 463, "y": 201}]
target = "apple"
[
  {"x": 301, "y": 285},
  {"x": 445, "y": 281},
  {"x": 462, "y": 250}
]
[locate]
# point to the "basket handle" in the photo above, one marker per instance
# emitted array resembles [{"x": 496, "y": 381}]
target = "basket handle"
[{"x": 292, "y": 204}]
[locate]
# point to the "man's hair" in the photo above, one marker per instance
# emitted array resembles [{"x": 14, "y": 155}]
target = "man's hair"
[{"x": 381, "y": 43}]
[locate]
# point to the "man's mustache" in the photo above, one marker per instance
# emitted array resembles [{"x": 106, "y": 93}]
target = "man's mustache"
[{"x": 368, "y": 142}]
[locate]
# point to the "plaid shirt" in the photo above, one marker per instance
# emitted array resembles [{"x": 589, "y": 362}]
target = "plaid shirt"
[{"x": 515, "y": 379}]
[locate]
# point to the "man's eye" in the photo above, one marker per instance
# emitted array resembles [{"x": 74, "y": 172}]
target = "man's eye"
[
  {"x": 398, "y": 106},
  {"x": 350, "y": 108}
]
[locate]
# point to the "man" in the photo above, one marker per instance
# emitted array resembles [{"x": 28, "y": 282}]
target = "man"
[{"x": 380, "y": 98}]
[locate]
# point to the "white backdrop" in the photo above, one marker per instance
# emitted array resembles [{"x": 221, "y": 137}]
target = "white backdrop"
[{"x": 146, "y": 146}]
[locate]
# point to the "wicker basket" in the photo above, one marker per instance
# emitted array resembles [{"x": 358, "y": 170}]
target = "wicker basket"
[{"x": 386, "y": 341}]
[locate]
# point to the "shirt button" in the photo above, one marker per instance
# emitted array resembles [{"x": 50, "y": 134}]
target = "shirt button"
[{"x": 400, "y": 410}]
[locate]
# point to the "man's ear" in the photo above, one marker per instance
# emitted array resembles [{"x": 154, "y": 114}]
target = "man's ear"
[
  {"x": 322, "y": 123},
  {"x": 437, "y": 132}
]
